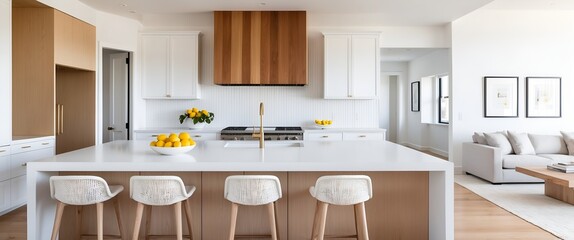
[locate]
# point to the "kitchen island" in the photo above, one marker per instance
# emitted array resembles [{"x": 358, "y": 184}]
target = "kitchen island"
[{"x": 413, "y": 192}]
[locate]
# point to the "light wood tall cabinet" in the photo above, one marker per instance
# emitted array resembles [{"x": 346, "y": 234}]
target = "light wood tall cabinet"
[
  {"x": 5, "y": 72},
  {"x": 170, "y": 65},
  {"x": 53, "y": 77},
  {"x": 260, "y": 48},
  {"x": 351, "y": 65}
]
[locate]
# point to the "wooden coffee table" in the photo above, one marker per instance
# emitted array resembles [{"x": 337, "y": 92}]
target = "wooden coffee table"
[{"x": 557, "y": 185}]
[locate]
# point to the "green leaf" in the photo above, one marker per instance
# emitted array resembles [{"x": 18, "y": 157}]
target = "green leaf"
[
  {"x": 181, "y": 119},
  {"x": 208, "y": 121},
  {"x": 195, "y": 120}
]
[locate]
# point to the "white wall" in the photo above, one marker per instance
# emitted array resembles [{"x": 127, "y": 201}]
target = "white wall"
[
  {"x": 284, "y": 105},
  {"x": 433, "y": 137},
  {"x": 512, "y": 43},
  {"x": 400, "y": 70}
]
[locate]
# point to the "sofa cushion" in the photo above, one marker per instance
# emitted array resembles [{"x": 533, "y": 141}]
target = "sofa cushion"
[
  {"x": 569, "y": 140},
  {"x": 479, "y": 138},
  {"x": 511, "y": 161},
  {"x": 499, "y": 140},
  {"x": 548, "y": 144},
  {"x": 520, "y": 143},
  {"x": 556, "y": 158}
]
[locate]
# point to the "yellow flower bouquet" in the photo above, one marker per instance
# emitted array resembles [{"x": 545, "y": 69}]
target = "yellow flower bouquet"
[{"x": 197, "y": 116}]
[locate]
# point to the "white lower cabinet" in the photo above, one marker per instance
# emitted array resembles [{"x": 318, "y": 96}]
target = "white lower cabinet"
[
  {"x": 13, "y": 163},
  {"x": 18, "y": 191},
  {"x": 344, "y": 135},
  {"x": 5, "y": 195},
  {"x": 199, "y": 136},
  {"x": 324, "y": 137}
]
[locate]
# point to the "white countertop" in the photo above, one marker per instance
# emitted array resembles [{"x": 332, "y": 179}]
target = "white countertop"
[
  {"x": 213, "y": 156},
  {"x": 315, "y": 129},
  {"x": 177, "y": 130}
]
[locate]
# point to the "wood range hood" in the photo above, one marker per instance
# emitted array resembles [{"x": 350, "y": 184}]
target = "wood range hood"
[{"x": 260, "y": 48}]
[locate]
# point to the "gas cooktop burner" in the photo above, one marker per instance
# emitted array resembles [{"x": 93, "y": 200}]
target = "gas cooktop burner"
[{"x": 271, "y": 133}]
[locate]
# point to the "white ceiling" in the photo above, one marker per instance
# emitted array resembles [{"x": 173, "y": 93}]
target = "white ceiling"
[
  {"x": 404, "y": 54},
  {"x": 371, "y": 12}
]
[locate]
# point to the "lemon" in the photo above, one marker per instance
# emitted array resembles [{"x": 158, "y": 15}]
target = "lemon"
[
  {"x": 189, "y": 111},
  {"x": 185, "y": 142},
  {"x": 177, "y": 144},
  {"x": 317, "y": 121},
  {"x": 174, "y": 138},
  {"x": 184, "y": 135},
  {"x": 159, "y": 143},
  {"x": 168, "y": 144},
  {"x": 192, "y": 114},
  {"x": 205, "y": 112},
  {"x": 152, "y": 143},
  {"x": 191, "y": 142},
  {"x": 194, "y": 110},
  {"x": 198, "y": 114},
  {"x": 161, "y": 137}
]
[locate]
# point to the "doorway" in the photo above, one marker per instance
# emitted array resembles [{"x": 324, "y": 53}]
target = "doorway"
[
  {"x": 389, "y": 102},
  {"x": 116, "y": 95}
]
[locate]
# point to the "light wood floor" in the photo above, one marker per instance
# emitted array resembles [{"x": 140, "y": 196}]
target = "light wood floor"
[{"x": 474, "y": 217}]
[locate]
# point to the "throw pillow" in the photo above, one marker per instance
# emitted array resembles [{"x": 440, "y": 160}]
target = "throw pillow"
[
  {"x": 569, "y": 139},
  {"x": 520, "y": 143},
  {"x": 479, "y": 138},
  {"x": 548, "y": 144},
  {"x": 499, "y": 140}
]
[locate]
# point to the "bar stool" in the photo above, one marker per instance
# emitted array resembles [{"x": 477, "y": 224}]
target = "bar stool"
[
  {"x": 341, "y": 190},
  {"x": 80, "y": 191},
  {"x": 253, "y": 190},
  {"x": 161, "y": 191}
]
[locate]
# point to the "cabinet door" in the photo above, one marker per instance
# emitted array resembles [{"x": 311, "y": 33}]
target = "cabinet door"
[
  {"x": 336, "y": 73},
  {"x": 155, "y": 62},
  {"x": 364, "y": 66},
  {"x": 6, "y": 72},
  {"x": 18, "y": 191},
  {"x": 4, "y": 168},
  {"x": 18, "y": 161},
  {"x": 184, "y": 67},
  {"x": 4, "y": 195},
  {"x": 74, "y": 42}
]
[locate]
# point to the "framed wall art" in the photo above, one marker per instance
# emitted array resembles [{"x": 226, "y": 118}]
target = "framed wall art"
[
  {"x": 415, "y": 96},
  {"x": 543, "y": 97},
  {"x": 500, "y": 97}
]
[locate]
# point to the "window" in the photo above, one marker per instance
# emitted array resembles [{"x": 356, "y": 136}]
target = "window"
[{"x": 443, "y": 100}]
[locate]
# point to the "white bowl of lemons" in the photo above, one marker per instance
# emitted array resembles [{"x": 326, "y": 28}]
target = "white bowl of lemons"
[
  {"x": 173, "y": 144},
  {"x": 325, "y": 123}
]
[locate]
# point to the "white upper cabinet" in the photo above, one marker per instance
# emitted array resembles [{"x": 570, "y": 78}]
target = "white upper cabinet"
[
  {"x": 170, "y": 65},
  {"x": 351, "y": 69},
  {"x": 6, "y": 72}
]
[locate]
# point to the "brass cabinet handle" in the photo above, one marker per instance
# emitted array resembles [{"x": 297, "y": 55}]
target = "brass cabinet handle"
[
  {"x": 57, "y": 119},
  {"x": 26, "y": 146},
  {"x": 62, "y": 119}
]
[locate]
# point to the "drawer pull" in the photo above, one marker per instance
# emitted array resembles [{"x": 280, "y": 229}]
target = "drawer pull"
[
  {"x": 196, "y": 135},
  {"x": 362, "y": 136},
  {"x": 26, "y": 146},
  {"x": 324, "y": 136},
  {"x": 154, "y": 135},
  {"x": 45, "y": 143},
  {"x": 24, "y": 164},
  {"x": 1, "y": 151}
]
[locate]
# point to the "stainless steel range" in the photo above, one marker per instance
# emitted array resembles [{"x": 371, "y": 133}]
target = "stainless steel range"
[{"x": 271, "y": 133}]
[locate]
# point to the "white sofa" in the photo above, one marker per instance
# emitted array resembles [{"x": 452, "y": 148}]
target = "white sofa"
[{"x": 491, "y": 164}]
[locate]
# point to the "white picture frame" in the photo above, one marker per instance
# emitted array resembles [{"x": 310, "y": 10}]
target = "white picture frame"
[{"x": 543, "y": 97}]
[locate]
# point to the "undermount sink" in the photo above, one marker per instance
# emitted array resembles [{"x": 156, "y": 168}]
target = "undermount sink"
[{"x": 255, "y": 144}]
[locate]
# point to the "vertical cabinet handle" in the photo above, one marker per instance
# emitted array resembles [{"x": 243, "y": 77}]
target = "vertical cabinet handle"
[{"x": 61, "y": 118}]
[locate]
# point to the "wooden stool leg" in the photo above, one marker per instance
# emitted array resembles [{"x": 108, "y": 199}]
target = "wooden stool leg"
[
  {"x": 58, "y": 219},
  {"x": 178, "y": 226},
  {"x": 322, "y": 214},
  {"x": 361, "y": 221},
  {"x": 79, "y": 210},
  {"x": 147, "y": 221},
  {"x": 276, "y": 220},
  {"x": 234, "y": 208},
  {"x": 138, "y": 221},
  {"x": 314, "y": 233},
  {"x": 100, "y": 218},
  {"x": 272, "y": 220},
  {"x": 119, "y": 217},
  {"x": 188, "y": 218}
]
